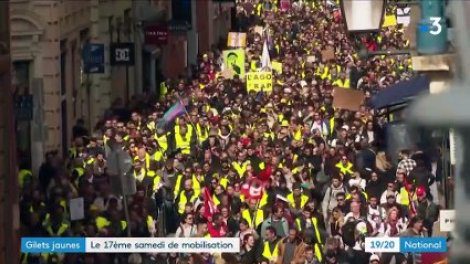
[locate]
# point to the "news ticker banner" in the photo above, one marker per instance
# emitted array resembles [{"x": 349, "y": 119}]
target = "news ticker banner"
[
  {"x": 129, "y": 245},
  {"x": 405, "y": 244}
]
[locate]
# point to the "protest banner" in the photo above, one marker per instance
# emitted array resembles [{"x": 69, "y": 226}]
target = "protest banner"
[
  {"x": 236, "y": 40},
  {"x": 259, "y": 81},
  {"x": 277, "y": 66},
  {"x": 235, "y": 60}
]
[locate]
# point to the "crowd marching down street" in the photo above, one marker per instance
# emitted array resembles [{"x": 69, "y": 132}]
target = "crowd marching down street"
[{"x": 270, "y": 159}]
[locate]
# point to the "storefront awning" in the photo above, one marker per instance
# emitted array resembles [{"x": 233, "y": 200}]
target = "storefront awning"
[{"x": 401, "y": 92}]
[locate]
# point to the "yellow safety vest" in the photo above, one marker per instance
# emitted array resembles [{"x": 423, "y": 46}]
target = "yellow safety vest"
[
  {"x": 163, "y": 89},
  {"x": 141, "y": 175},
  {"x": 345, "y": 169},
  {"x": 73, "y": 153},
  {"x": 259, "y": 217},
  {"x": 264, "y": 200},
  {"x": 151, "y": 173},
  {"x": 349, "y": 196},
  {"x": 303, "y": 200},
  {"x": 80, "y": 171},
  {"x": 101, "y": 222},
  {"x": 183, "y": 143},
  {"x": 224, "y": 182},
  {"x": 341, "y": 83},
  {"x": 202, "y": 133},
  {"x": 156, "y": 181},
  {"x": 150, "y": 222},
  {"x": 271, "y": 256},
  {"x": 147, "y": 160},
  {"x": 151, "y": 126},
  {"x": 183, "y": 200},
  {"x": 240, "y": 167},
  {"x": 162, "y": 141},
  {"x": 315, "y": 226},
  {"x": 63, "y": 227},
  {"x": 332, "y": 125},
  {"x": 31, "y": 208},
  {"x": 215, "y": 200},
  {"x": 404, "y": 197},
  {"x": 157, "y": 156},
  {"x": 23, "y": 175},
  {"x": 318, "y": 252},
  {"x": 196, "y": 184}
]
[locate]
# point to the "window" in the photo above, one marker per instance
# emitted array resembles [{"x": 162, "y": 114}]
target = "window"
[{"x": 181, "y": 10}]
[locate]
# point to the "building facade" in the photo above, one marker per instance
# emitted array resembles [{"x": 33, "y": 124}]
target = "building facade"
[
  {"x": 48, "y": 38},
  {"x": 9, "y": 209}
]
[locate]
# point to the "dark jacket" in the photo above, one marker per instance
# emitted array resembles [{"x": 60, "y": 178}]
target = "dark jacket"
[
  {"x": 420, "y": 176},
  {"x": 365, "y": 158},
  {"x": 375, "y": 188}
]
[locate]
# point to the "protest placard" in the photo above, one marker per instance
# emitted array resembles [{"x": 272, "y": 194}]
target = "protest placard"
[
  {"x": 77, "y": 209},
  {"x": 277, "y": 66},
  {"x": 235, "y": 61},
  {"x": 328, "y": 54},
  {"x": 236, "y": 40},
  {"x": 347, "y": 99},
  {"x": 259, "y": 81}
]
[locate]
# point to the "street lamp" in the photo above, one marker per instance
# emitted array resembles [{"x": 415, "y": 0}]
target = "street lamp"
[
  {"x": 363, "y": 15},
  {"x": 366, "y": 16}
]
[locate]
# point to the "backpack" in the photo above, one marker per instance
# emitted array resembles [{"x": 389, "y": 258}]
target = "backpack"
[{"x": 349, "y": 231}]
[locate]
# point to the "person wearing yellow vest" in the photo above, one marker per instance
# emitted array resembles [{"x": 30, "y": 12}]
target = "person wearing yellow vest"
[
  {"x": 240, "y": 165},
  {"x": 115, "y": 224},
  {"x": 297, "y": 200},
  {"x": 187, "y": 195},
  {"x": 270, "y": 251},
  {"x": 253, "y": 214},
  {"x": 164, "y": 87},
  {"x": 183, "y": 138},
  {"x": 24, "y": 176},
  {"x": 143, "y": 157},
  {"x": 309, "y": 225},
  {"x": 202, "y": 129},
  {"x": 55, "y": 223},
  {"x": 345, "y": 166},
  {"x": 139, "y": 171},
  {"x": 342, "y": 81},
  {"x": 162, "y": 139}
]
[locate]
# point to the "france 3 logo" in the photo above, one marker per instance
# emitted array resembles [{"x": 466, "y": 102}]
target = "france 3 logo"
[{"x": 435, "y": 28}]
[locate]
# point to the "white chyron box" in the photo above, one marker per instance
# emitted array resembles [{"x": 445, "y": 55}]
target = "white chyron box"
[{"x": 382, "y": 244}]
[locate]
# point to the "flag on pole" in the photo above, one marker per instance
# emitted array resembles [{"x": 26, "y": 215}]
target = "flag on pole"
[
  {"x": 171, "y": 114},
  {"x": 265, "y": 59},
  {"x": 209, "y": 205}
]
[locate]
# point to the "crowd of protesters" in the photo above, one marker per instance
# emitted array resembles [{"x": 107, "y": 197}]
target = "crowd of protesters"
[{"x": 296, "y": 179}]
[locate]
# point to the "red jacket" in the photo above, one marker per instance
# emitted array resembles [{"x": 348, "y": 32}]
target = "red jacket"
[{"x": 217, "y": 232}]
